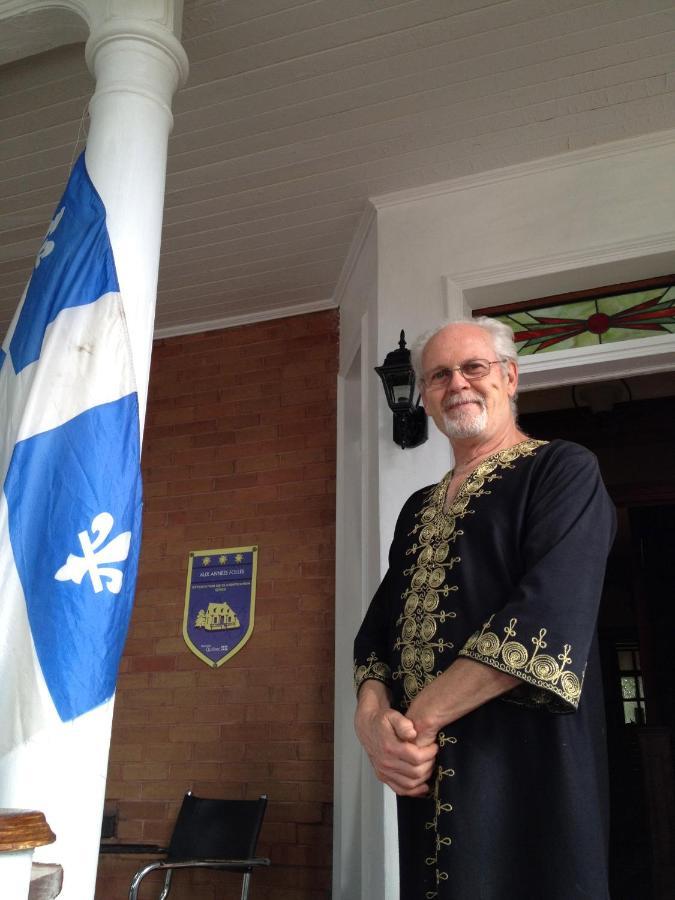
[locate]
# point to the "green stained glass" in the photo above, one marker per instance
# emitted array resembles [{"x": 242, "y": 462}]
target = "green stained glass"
[
  {"x": 631, "y": 713},
  {"x": 592, "y": 321},
  {"x": 628, "y": 688}
]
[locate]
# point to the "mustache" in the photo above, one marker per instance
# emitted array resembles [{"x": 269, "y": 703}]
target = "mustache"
[{"x": 464, "y": 398}]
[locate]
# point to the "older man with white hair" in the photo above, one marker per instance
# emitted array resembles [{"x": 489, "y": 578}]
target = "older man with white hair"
[{"x": 476, "y": 666}]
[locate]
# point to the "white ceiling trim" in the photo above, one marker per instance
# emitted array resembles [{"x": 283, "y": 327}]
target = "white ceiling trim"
[
  {"x": 524, "y": 170},
  {"x": 470, "y": 283}
]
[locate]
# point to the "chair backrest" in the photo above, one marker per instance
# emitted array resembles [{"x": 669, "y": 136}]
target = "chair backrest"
[{"x": 216, "y": 829}]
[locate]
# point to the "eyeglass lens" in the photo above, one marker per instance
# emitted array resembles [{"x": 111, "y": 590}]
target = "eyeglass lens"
[{"x": 470, "y": 369}]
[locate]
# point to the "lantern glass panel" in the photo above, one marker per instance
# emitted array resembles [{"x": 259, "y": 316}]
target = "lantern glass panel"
[{"x": 401, "y": 393}]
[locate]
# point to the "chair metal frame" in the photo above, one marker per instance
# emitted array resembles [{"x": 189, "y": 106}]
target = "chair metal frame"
[
  {"x": 174, "y": 858},
  {"x": 168, "y": 868}
]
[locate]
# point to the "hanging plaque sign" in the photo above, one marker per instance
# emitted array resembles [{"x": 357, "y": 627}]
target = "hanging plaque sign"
[{"x": 219, "y": 602}]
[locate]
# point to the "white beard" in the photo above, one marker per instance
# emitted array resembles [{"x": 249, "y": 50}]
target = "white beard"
[{"x": 465, "y": 421}]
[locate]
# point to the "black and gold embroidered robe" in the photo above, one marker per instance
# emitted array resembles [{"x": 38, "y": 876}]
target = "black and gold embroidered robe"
[{"x": 511, "y": 577}]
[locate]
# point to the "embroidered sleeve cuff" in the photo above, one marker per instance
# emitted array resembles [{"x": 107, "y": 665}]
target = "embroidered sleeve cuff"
[
  {"x": 549, "y": 682},
  {"x": 374, "y": 669}
]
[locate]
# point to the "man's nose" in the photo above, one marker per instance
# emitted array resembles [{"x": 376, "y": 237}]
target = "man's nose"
[{"x": 457, "y": 381}]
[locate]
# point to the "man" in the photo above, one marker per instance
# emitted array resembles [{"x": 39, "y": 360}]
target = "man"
[{"x": 479, "y": 692}]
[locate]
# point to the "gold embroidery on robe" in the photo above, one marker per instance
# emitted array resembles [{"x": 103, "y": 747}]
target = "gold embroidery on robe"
[
  {"x": 375, "y": 670},
  {"x": 425, "y": 601},
  {"x": 539, "y": 669},
  {"x": 425, "y": 606}
]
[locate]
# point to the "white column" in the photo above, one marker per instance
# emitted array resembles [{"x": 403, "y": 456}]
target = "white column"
[
  {"x": 374, "y": 479},
  {"x": 138, "y": 64}
]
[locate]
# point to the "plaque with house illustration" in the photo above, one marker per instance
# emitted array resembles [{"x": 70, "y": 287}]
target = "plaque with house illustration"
[{"x": 219, "y": 602}]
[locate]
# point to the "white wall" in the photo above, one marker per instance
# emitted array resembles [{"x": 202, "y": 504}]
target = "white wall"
[{"x": 584, "y": 219}]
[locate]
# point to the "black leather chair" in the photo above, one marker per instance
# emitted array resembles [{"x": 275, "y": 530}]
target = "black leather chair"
[{"x": 208, "y": 834}]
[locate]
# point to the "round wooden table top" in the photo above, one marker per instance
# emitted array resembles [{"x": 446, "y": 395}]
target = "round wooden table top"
[{"x": 22, "y": 829}]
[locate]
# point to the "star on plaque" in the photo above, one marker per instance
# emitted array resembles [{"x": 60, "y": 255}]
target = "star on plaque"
[
  {"x": 239, "y": 558},
  {"x": 222, "y": 560}
]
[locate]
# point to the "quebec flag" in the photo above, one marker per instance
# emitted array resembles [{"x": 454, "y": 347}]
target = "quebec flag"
[{"x": 70, "y": 507}]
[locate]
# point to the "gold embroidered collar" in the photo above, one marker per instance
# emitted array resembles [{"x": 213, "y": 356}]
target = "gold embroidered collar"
[{"x": 474, "y": 481}]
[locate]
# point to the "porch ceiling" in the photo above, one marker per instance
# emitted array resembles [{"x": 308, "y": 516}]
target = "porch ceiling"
[{"x": 297, "y": 111}]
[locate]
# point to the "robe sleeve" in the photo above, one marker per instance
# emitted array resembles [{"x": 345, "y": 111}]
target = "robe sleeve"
[
  {"x": 371, "y": 659},
  {"x": 371, "y": 646},
  {"x": 543, "y": 634}
]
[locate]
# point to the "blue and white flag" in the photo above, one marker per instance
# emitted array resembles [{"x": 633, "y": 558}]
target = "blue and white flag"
[{"x": 70, "y": 506}]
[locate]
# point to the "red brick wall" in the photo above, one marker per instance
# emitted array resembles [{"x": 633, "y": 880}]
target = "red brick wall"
[{"x": 239, "y": 449}]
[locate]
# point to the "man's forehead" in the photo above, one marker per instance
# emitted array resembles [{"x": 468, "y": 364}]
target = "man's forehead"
[{"x": 457, "y": 341}]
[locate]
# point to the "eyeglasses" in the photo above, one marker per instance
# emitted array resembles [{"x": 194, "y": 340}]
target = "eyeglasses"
[{"x": 471, "y": 369}]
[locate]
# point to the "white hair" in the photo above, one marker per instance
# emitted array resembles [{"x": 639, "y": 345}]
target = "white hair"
[{"x": 500, "y": 333}]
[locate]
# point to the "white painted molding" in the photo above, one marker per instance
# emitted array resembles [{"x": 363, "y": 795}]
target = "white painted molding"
[
  {"x": 360, "y": 236},
  {"x": 523, "y": 170},
  {"x": 455, "y": 303},
  {"x": 348, "y": 351},
  {"x": 561, "y": 272},
  {"x": 267, "y": 315},
  {"x": 11, "y": 8},
  {"x": 641, "y": 356},
  {"x": 154, "y": 36},
  {"x": 556, "y": 263},
  {"x": 28, "y": 28},
  {"x": 166, "y": 13},
  {"x": 158, "y": 21}
]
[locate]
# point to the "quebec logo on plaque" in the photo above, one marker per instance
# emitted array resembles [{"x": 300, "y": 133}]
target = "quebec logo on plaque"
[{"x": 219, "y": 602}]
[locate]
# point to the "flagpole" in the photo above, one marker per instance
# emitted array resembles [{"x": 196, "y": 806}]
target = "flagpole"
[{"x": 138, "y": 65}]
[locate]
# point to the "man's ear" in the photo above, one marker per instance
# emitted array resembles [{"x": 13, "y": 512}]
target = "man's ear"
[
  {"x": 512, "y": 377},
  {"x": 422, "y": 403}
]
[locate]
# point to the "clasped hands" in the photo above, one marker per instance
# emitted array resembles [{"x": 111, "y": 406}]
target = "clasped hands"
[{"x": 401, "y": 748}]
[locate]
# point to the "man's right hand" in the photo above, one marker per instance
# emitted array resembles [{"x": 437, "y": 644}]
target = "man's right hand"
[{"x": 388, "y": 738}]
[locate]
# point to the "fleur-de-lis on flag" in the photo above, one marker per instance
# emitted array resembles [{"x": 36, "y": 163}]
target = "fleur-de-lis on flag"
[
  {"x": 47, "y": 245},
  {"x": 95, "y": 553}
]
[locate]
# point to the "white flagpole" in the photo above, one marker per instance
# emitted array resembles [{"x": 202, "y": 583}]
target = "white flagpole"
[{"x": 138, "y": 66}]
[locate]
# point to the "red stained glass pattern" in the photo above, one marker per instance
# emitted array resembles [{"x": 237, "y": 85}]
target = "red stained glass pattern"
[{"x": 572, "y": 323}]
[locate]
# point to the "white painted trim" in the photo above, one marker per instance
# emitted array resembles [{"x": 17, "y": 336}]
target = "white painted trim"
[
  {"x": 360, "y": 236},
  {"x": 642, "y": 347},
  {"x": 11, "y": 8},
  {"x": 655, "y": 255},
  {"x": 266, "y": 315},
  {"x": 524, "y": 170},
  {"x": 348, "y": 352},
  {"x": 343, "y": 809},
  {"x": 455, "y": 302},
  {"x": 151, "y": 34},
  {"x": 555, "y": 263},
  {"x": 604, "y": 361}
]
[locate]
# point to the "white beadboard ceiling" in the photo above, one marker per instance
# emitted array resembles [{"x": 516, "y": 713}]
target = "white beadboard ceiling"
[{"x": 295, "y": 113}]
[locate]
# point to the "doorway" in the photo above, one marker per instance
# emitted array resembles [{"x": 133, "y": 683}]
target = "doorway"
[{"x": 632, "y": 432}]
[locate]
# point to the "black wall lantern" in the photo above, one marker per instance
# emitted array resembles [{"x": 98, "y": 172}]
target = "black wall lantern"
[{"x": 398, "y": 378}]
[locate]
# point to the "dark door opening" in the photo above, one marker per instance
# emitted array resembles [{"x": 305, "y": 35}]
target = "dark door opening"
[{"x": 635, "y": 445}]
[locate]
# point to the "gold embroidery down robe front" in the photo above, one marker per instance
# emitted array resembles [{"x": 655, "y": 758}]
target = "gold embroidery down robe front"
[{"x": 511, "y": 577}]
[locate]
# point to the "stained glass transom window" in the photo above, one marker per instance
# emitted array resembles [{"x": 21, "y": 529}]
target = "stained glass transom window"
[{"x": 583, "y": 321}]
